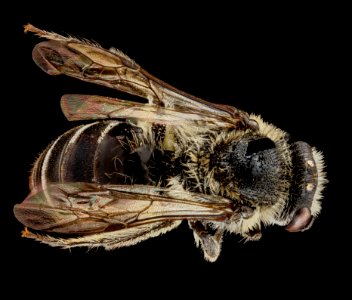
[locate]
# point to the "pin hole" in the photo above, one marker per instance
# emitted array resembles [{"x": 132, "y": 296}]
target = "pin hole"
[{"x": 259, "y": 145}]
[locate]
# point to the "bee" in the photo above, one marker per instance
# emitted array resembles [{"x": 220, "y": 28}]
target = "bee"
[{"x": 137, "y": 170}]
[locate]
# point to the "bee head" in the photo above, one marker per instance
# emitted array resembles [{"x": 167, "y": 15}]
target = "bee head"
[{"x": 303, "y": 204}]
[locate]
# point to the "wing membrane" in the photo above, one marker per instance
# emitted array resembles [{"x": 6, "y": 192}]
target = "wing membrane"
[
  {"x": 89, "y": 62},
  {"x": 109, "y": 240},
  {"x": 88, "y": 107},
  {"x": 83, "y": 208}
]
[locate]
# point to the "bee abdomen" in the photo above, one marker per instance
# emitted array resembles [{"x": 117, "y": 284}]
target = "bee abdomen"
[{"x": 95, "y": 152}]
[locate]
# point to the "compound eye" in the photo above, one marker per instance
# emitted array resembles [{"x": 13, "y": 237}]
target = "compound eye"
[
  {"x": 300, "y": 221},
  {"x": 259, "y": 145}
]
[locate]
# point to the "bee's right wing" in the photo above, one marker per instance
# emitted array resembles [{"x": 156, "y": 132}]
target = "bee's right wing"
[
  {"x": 113, "y": 215},
  {"x": 89, "y": 62}
]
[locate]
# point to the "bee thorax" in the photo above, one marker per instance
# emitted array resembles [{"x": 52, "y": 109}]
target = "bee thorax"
[{"x": 250, "y": 169}]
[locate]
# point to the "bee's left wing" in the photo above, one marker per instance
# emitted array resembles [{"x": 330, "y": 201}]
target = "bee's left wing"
[
  {"x": 113, "y": 215},
  {"x": 89, "y": 62}
]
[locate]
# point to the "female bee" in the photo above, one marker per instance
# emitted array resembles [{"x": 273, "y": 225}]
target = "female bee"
[{"x": 137, "y": 170}]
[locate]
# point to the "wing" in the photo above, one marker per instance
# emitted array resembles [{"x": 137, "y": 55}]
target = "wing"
[
  {"x": 113, "y": 215},
  {"x": 89, "y": 107},
  {"x": 89, "y": 62}
]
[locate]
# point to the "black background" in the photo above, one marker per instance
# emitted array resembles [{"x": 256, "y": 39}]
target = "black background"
[{"x": 284, "y": 63}]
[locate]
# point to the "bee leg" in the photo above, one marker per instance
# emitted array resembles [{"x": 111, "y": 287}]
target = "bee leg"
[
  {"x": 207, "y": 240},
  {"x": 253, "y": 235}
]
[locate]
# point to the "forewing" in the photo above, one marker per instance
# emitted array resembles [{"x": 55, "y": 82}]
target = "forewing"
[
  {"x": 86, "y": 209},
  {"x": 89, "y": 62}
]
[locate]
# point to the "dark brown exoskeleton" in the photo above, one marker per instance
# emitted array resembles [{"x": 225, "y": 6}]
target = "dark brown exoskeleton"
[{"x": 137, "y": 170}]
